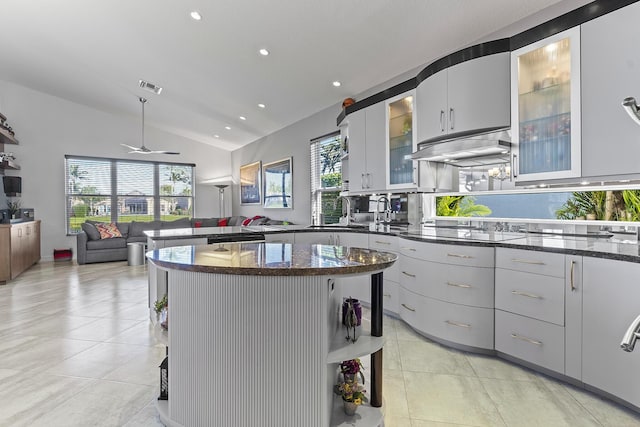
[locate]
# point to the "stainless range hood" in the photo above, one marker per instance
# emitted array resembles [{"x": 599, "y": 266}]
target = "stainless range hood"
[{"x": 489, "y": 147}]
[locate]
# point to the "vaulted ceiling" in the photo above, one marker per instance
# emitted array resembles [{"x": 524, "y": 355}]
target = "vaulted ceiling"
[{"x": 95, "y": 52}]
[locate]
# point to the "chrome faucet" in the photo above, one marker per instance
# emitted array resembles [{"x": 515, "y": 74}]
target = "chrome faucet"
[
  {"x": 348, "y": 200},
  {"x": 630, "y": 337},
  {"x": 387, "y": 210}
]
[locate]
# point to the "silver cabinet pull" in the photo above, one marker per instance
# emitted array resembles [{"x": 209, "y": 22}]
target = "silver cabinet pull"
[
  {"x": 573, "y": 286},
  {"x": 460, "y": 325},
  {"x": 362, "y": 181},
  {"x": 337, "y": 240},
  {"x": 529, "y": 340},
  {"x": 408, "y": 274},
  {"x": 368, "y": 180},
  {"x": 458, "y": 285},
  {"x": 514, "y": 166},
  {"x": 408, "y": 249},
  {"x": 460, "y": 256},
  {"x": 387, "y": 295},
  {"x": 441, "y": 120},
  {"x": 526, "y": 294},
  {"x": 382, "y": 243},
  {"x": 451, "y": 115},
  {"x": 407, "y": 307},
  {"x": 527, "y": 261}
]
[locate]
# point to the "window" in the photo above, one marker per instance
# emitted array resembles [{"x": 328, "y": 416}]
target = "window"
[
  {"x": 326, "y": 179},
  {"x": 111, "y": 190}
]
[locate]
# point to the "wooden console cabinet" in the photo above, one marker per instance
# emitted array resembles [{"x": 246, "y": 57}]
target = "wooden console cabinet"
[{"x": 23, "y": 242}]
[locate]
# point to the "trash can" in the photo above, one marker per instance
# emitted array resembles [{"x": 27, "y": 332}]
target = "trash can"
[{"x": 135, "y": 253}]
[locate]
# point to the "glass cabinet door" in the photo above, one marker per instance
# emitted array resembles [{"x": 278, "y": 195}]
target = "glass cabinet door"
[
  {"x": 545, "y": 108},
  {"x": 400, "y": 141}
]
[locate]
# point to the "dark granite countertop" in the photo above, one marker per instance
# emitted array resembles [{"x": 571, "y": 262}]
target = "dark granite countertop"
[
  {"x": 272, "y": 259},
  {"x": 615, "y": 248}
]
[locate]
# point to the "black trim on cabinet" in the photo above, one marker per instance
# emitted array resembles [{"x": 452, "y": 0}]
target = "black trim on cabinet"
[
  {"x": 556, "y": 25},
  {"x": 463, "y": 55}
]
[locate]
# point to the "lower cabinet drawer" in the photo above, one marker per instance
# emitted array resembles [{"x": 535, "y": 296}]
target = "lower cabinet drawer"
[
  {"x": 535, "y": 341},
  {"x": 470, "y": 326},
  {"x": 391, "y": 297},
  {"x": 531, "y": 295}
]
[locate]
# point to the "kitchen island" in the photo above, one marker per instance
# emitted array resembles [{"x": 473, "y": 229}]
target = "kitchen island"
[{"x": 255, "y": 337}]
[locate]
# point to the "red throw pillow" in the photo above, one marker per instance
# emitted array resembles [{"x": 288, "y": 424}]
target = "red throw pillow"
[
  {"x": 247, "y": 221},
  {"x": 108, "y": 231},
  {"x": 198, "y": 224},
  {"x": 223, "y": 222}
]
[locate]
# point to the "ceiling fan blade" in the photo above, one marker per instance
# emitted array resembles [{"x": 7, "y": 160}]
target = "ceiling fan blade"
[
  {"x": 164, "y": 152},
  {"x": 130, "y": 147}
]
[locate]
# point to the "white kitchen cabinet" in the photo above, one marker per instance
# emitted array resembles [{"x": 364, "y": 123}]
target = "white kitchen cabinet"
[
  {"x": 400, "y": 141},
  {"x": 610, "y": 61},
  {"x": 573, "y": 317},
  {"x": 610, "y": 304},
  {"x": 545, "y": 93},
  {"x": 468, "y": 96},
  {"x": 366, "y": 148},
  {"x": 391, "y": 275},
  {"x": 450, "y": 287}
]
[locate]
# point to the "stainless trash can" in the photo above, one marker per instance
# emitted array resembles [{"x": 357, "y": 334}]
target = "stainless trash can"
[{"x": 135, "y": 253}]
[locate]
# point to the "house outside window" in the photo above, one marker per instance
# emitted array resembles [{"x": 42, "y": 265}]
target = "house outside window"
[{"x": 110, "y": 190}]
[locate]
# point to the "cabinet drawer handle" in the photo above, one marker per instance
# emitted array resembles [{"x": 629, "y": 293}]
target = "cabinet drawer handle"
[
  {"x": 368, "y": 180},
  {"x": 527, "y": 261},
  {"x": 458, "y": 285},
  {"x": 408, "y": 249},
  {"x": 382, "y": 243},
  {"x": 460, "y": 256},
  {"x": 451, "y": 116},
  {"x": 460, "y": 325},
  {"x": 407, "y": 307},
  {"x": 408, "y": 274},
  {"x": 526, "y": 294},
  {"x": 441, "y": 120},
  {"x": 529, "y": 340},
  {"x": 573, "y": 286},
  {"x": 387, "y": 295}
]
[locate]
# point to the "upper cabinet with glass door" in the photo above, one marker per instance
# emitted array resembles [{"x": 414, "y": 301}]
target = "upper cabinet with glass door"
[
  {"x": 545, "y": 86},
  {"x": 401, "y": 141}
]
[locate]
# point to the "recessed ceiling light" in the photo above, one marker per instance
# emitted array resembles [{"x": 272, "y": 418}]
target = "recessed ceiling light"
[
  {"x": 195, "y": 15},
  {"x": 227, "y": 127},
  {"x": 243, "y": 118},
  {"x": 216, "y": 136},
  {"x": 264, "y": 52},
  {"x": 261, "y": 105},
  {"x": 337, "y": 83}
]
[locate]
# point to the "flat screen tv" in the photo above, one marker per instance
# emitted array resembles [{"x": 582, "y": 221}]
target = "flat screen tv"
[{"x": 12, "y": 184}]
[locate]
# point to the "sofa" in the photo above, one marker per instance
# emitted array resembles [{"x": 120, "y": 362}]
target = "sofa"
[{"x": 99, "y": 242}]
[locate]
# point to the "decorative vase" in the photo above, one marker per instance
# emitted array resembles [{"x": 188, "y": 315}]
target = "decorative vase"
[
  {"x": 352, "y": 318},
  {"x": 349, "y": 407}
]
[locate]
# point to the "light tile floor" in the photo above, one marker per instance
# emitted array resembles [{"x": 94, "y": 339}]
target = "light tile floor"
[{"x": 76, "y": 349}]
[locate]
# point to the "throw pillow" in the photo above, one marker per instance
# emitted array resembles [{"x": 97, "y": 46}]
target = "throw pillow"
[
  {"x": 91, "y": 231},
  {"x": 197, "y": 224},
  {"x": 108, "y": 231},
  {"x": 223, "y": 222}
]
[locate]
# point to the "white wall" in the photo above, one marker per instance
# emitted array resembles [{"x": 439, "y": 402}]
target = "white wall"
[
  {"x": 49, "y": 127},
  {"x": 291, "y": 141}
]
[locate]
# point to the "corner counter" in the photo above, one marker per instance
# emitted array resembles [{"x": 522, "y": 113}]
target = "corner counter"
[{"x": 254, "y": 333}]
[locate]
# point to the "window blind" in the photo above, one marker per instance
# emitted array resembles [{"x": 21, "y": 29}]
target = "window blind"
[{"x": 326, "y": 178}]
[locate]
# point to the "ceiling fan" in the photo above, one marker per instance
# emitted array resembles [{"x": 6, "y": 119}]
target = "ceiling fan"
[{"x": 142, "y": 149}]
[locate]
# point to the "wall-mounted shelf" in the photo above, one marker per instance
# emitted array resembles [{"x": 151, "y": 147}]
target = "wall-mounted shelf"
[
  {"x": 8, "y": 164},
  {"x": 7, "y": 138}
]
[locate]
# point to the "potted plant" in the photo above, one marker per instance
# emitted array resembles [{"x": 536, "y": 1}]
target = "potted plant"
[
  {"x": 353, "y": 395},
  {"x": 161, "y": 309},
  {"x": 14, "y": 208},
  {"x": 351, "y": 368}
]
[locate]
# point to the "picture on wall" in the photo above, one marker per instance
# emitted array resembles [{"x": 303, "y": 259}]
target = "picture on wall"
[
  {"x": 250, "y": 184},
  {"x": 278, "y": 184}
]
